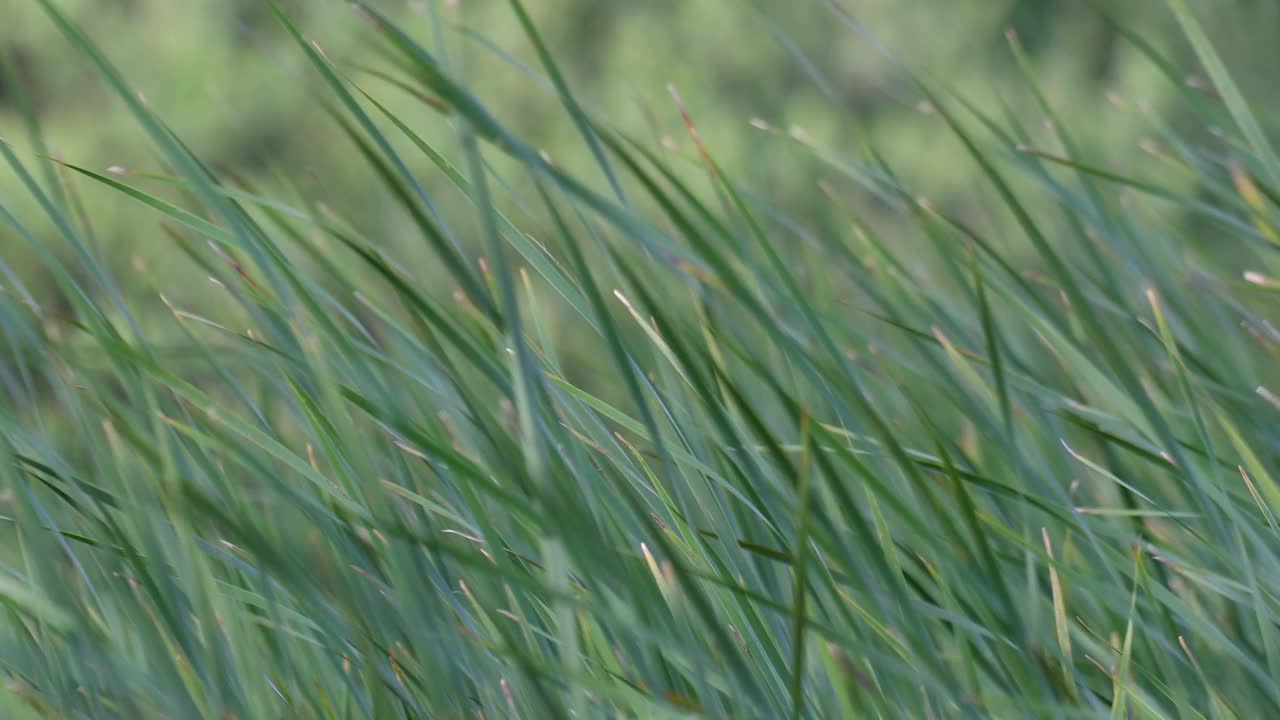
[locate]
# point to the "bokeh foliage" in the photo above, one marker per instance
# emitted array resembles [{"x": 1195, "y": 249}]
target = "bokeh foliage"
[{"x": 223, "y": 75}]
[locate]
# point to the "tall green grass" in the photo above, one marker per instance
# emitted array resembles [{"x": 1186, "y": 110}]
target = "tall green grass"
[{"x": 664, "y": 452}]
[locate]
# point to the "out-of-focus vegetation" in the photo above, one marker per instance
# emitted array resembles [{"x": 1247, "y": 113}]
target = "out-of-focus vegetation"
[
  {"x": 383, "y": 360},
  {"x": 224, "y": 77}
]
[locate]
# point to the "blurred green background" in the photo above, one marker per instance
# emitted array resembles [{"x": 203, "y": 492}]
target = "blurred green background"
[{"x": 234, "y": 88}]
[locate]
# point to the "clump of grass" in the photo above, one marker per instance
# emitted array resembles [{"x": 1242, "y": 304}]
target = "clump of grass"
[{"x": 802, "y": 471}]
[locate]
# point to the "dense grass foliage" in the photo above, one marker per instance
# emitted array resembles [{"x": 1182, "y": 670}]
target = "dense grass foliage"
[{"x": 917, "y": 467}]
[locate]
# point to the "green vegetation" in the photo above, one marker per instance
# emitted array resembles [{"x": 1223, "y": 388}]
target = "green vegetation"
[{"x": 611, "y": 431}]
